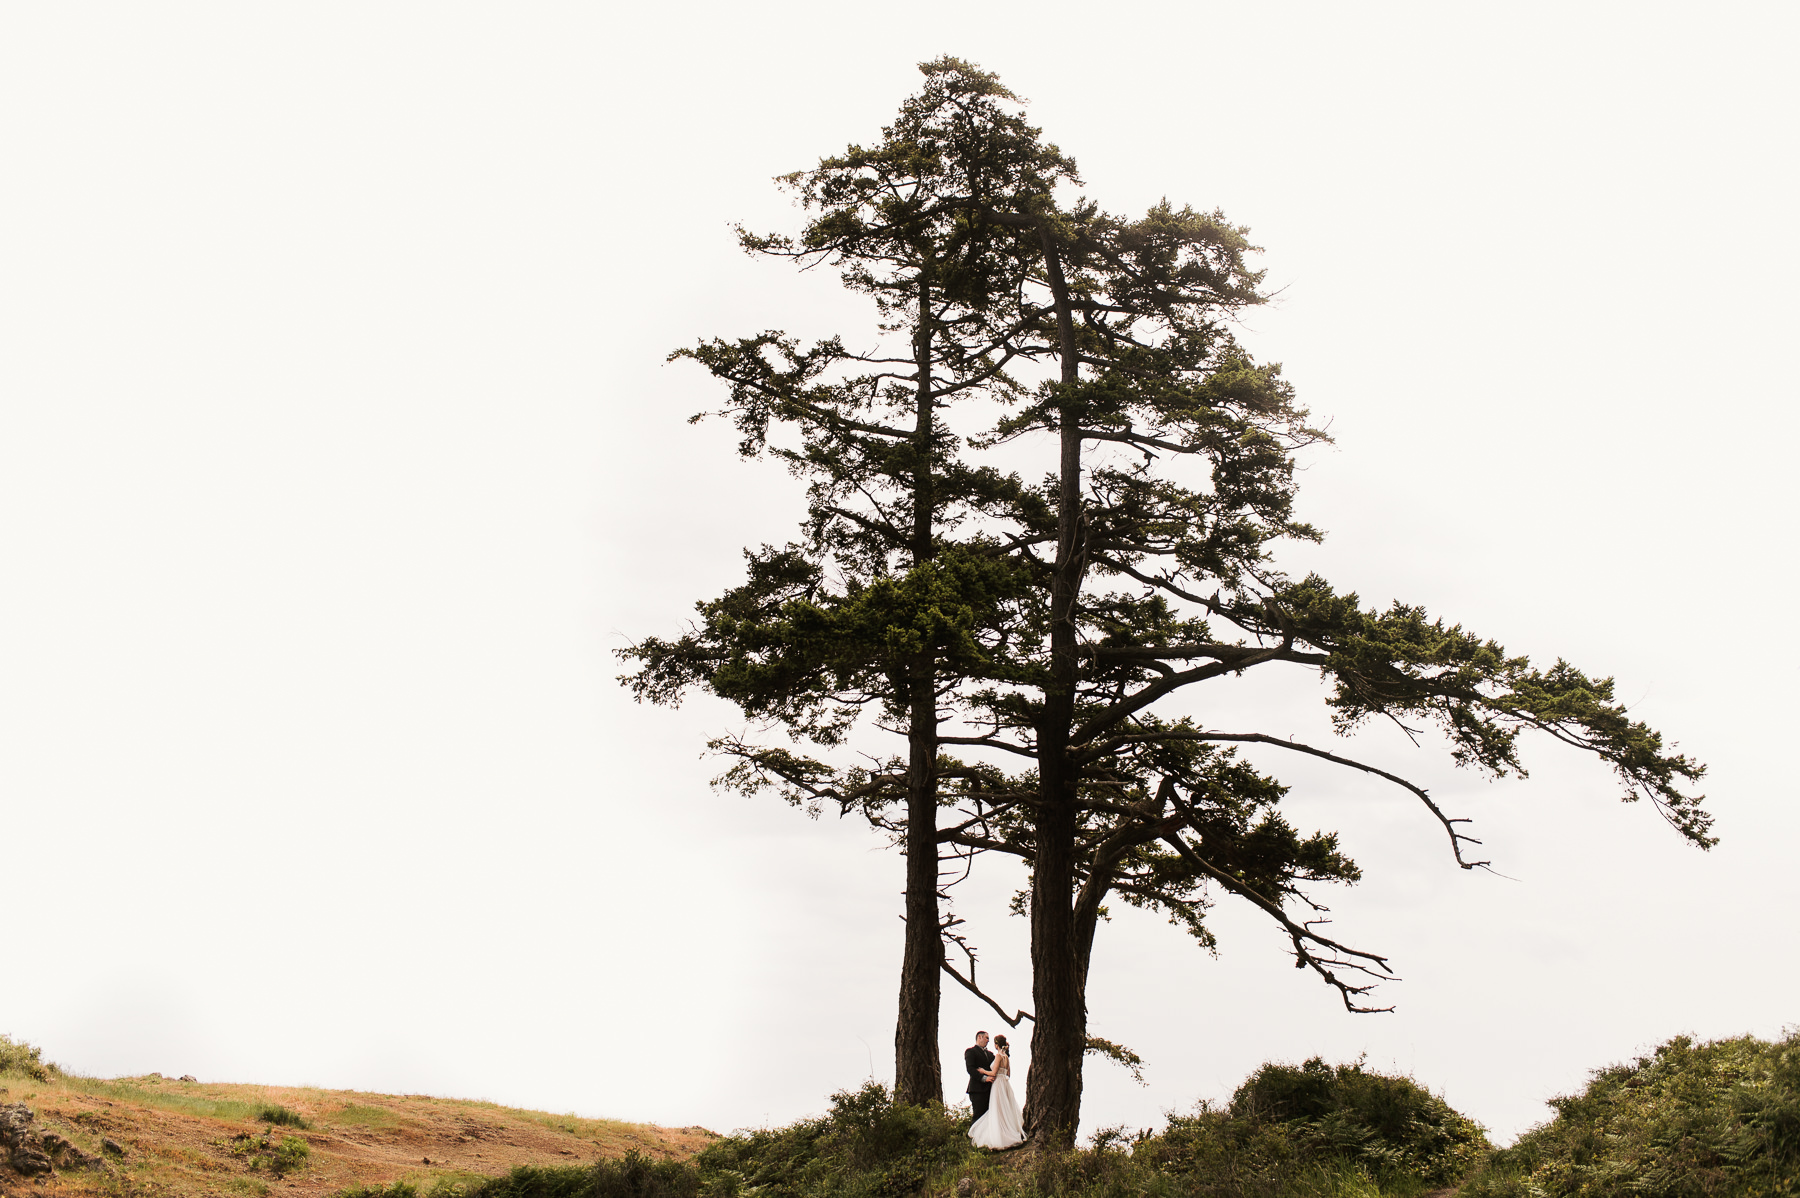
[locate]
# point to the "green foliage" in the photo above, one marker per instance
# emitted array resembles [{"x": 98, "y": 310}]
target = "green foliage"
[
  {"x": 1047, "y": 624},
  {"x": 290, "y": 1154},
  {"x": 1719, "y": 1119},
  {"x": 283, "y": 1117},
  {"x": 866, "y": 1145},
  {"x": 16, "y": 1056},
  {"x": 1390, "y": 1125},
  {"x": 1309, "y": 1132},
  {"x": 633, "y": 1176},
  {"x": 399, "y": 1189},
  {"x": 261, "y": 1152}
]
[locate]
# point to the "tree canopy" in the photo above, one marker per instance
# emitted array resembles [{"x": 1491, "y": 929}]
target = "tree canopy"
[{"x": 1041, "y": 630}]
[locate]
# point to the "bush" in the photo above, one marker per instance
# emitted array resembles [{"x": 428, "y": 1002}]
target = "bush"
[
  {"x": 1307, "y": 1132},
  {"x": 400, "y": 1189},
  {"x": 634, "y": 1176},
  {"x": 283, "y": 1117},
  {"x": 1720, "y": 1119},
  {"x": 261, "y": 1153},
  {"x": 1392, "y": 1126},
  {"x": 1289, "y": 1133},
  {"x": 290, "y": 1154},
  {"x": 16, "y": 1056},
  {"x": 867, "y": 1146}
]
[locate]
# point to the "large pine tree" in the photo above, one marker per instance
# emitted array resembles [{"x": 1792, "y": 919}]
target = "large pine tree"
[
  {"x": 1052, "y": 624},
  {"x": 1172, "y": 485},
  {"x": 878, "y": 607}
]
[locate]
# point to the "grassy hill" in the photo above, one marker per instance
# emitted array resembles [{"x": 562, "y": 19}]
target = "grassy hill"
[
  {"x": 1692, "y": 1120},
  {"x": 184, "y": 1139}
]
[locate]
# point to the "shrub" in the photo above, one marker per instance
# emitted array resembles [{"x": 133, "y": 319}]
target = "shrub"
[
  {"x": 1720, "y": 1119},
  {"x": 867, "y": 1146},
  {"x": 290, "y": 1154},
  {"x": 400, "y": 1189},
  {"x": 261, "y": 1153},
  {"x": 1392, "y": 1126},
  {"x": 633, "y": 1176},
  {"x": 16, "y": 1056},
  {"x": 283, "y": 1117}
]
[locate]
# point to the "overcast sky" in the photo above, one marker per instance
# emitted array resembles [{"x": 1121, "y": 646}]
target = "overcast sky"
[{"x": 338, "y": 456}]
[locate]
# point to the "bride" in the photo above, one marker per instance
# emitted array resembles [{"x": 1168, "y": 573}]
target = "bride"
[{"x": 1001, "y": 1127}]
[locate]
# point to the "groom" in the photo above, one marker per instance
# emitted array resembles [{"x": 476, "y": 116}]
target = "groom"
[{"x": 978, "y": 1058}]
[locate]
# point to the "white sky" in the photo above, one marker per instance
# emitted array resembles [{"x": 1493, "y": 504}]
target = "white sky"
[{"x": 337, "y": 456}]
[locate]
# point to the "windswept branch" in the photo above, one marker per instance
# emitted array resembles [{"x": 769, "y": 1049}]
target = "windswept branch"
[
  {"x": 1336, "y": 956},
  {"x": 1457, "y": 839}
]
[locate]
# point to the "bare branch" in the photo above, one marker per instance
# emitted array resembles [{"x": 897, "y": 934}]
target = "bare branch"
[
  {"x": 1301, "y": 935},
  {"x": 1457, "y": 839},
  {"x": 968, "y": 983}
]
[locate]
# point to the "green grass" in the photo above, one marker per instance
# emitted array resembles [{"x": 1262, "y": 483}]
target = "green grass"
[
  {"x": 188, "y": 1103},
  {"x": 358, "y": 1115},
  {"x": 282, "y": 1117}
]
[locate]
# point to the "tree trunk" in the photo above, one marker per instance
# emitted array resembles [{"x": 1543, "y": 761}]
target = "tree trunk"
[
  {"x": 918, "y": 1069},
  {"x": 1059, "y": 1034},
  {"x": 918, "y": 1072}
]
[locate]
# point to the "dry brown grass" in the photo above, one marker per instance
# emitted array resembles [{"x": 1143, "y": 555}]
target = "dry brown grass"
[{"x": 178, "y": 1135}]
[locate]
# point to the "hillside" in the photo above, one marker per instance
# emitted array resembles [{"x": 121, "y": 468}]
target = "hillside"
[{"x": 182, "y": 1138}]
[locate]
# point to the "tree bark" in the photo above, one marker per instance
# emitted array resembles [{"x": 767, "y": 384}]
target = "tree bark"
[
  {"x": 1059, "y": 1034},
  {"x": 918, "y": 1071},
  {"x": 918, "y": 1075}
]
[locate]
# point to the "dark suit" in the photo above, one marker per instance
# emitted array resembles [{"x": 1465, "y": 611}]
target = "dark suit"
[{"x": 977, "y": 1059}]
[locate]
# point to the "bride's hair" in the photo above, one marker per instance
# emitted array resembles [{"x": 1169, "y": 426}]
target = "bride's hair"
[{"x": 1001, "y": 1042}]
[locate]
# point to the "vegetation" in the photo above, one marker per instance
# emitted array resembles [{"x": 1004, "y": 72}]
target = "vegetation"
[
  {"x": 262, "y": 1152},
  {"x": 283, "y": 1117},
  {"x": 633, "y": 1176},
  {"x": 1720, "y": 1120},
  {"x": 1691, "y": 1120},
  {"x": 1289, "y": 1133},
  {"x": 1040, "y": 627},
  {"x": 18, "y": 1057},
  {"x": 191, "y": 1139},
  {"x": 876, "y": 607}
]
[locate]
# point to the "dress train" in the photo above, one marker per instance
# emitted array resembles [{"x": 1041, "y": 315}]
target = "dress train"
[{"x": 1002, "y": 1126}]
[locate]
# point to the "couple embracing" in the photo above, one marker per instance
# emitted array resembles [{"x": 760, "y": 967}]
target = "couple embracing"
[{"x": 997, "y": 1121}]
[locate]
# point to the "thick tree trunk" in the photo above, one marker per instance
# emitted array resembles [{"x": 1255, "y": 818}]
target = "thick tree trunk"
[
  {"x": 1059, "y": 1034},
  {"x": 918, "y": 1071}
]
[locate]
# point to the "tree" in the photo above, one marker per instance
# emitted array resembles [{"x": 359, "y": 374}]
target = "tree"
[
  {"x": 1151, "y": 381},
  {"x": 1055, "y": 622},
  {"x": 874, "y": 608}
]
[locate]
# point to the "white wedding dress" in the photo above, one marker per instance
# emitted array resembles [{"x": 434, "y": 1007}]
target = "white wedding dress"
[{"x": 1002, "y": 1126}]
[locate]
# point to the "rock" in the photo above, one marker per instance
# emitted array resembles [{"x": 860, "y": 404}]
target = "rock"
[
  {"x": 426, "y": 1161},
  {"x": 67, "y": 1155},
  {"x": 29, "y": 1161},
  {"x": 188, "y": 1077},
  {"x": 965, "y": 1186},
  {"x": 15, "y": 1125},
  {"x": 112, "y": 1146}
]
